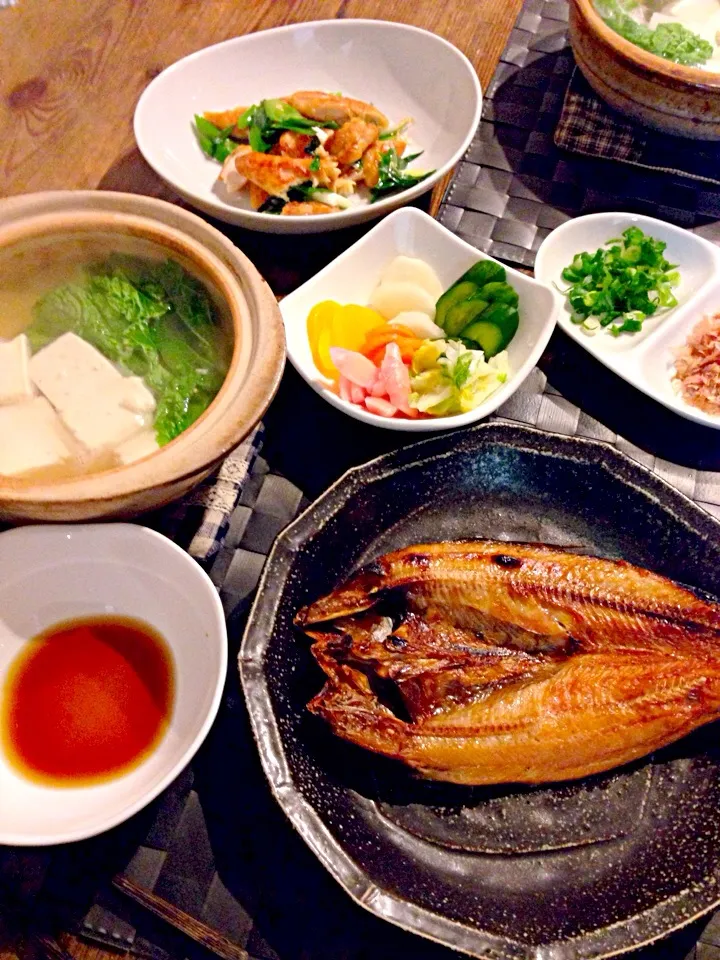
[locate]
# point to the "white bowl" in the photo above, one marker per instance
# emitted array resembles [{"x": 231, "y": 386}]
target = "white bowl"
[
  {"x": 49, "y": 574},
  {"x": 403, "y": 70},
  {"x": 645, "y": 359},
  {"x": 352, "y": 277}
]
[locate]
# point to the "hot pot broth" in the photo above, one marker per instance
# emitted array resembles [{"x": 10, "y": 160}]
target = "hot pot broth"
[{"x": 108, "y": 350}]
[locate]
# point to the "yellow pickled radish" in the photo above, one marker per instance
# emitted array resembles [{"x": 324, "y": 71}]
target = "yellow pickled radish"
[
  {"x": 319, "y": 328},
  {"x": 332, "y": 324},
  {"x": 321, "y": 354},
  {"x": 356, "y": 322}
]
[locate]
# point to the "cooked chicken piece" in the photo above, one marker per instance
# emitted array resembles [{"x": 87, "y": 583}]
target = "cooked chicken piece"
[
  {"x": 291, "y": 144},
  {"x": 233, "y": 180},
  {"x": 351, "y": 141},
  {"x": 258, "y": 196},
  {"x": 371, "y": 158},
  {"x": 326, "y": 174},
  {"x": 227, "y": 118},
  {"x": 274, "y": 174},
  {"x": 321, "y": 106},
  {"x": 307, "y": 208},
  {"x": 353, "y": 173},
  {"x": 345, "y": 186}
]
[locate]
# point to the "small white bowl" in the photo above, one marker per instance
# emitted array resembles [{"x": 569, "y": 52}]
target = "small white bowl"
[
  {"x": 352, "y": 277},
  {"x": 49, "y": 574},
  {"x": 403, "y": 70},
  {"x": 645, "y": 359}
]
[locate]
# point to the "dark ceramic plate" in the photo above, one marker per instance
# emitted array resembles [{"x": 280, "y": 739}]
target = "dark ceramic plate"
[{"x": 583, "y": 869}]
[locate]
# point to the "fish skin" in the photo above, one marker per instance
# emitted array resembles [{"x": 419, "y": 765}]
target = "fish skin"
[{"x": 514, "y": 662}]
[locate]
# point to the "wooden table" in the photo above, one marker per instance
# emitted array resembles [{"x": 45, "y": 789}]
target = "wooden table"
[{"x": 70, "y": 76}]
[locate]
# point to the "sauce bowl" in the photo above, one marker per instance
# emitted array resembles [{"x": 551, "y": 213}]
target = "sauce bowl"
[{"x": 50, "y": 574}]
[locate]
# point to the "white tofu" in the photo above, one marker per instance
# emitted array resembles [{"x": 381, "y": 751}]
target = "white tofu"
[
  {"x": 133, "y": 395},
  {"x": 70, "y": 368},
  {"x": 15, "y": 382},
  {"x": 101, "y": 424},
  {"x": 98, "y": 405},
  {"x": 31, "y": 437},
  {"x": 700, "y": 11},
  {"x": 137, "y": 447}
]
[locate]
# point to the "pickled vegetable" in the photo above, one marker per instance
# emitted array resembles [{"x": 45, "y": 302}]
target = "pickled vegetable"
[
  {"x": 488, "y": 336},
  {"x": 499, "y": 291},
  {"x": 462, "y": 314},
  {"x": 459, "y": 291},
  {"x": 484, "y": 271},
  {"x": 332, "y": 324}
]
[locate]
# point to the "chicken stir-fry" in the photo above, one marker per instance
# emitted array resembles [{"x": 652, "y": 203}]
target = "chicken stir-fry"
[{"x": 309, "y": 153}]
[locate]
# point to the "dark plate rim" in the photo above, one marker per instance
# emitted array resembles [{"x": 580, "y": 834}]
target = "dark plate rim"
[{"x": 634, "y": 932}]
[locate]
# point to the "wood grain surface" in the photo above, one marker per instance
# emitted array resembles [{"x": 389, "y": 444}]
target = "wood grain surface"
[{"x": 71, "y": 72}]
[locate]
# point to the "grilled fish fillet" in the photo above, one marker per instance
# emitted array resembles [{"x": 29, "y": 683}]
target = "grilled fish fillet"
[{"x": 483, "y": 662}]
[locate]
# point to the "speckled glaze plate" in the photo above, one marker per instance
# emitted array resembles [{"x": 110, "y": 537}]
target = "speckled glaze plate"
[{"x": 576, "y": 870}]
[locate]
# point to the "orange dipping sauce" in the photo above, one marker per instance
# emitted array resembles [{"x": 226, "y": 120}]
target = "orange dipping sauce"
[{"x": 87, "y": 700}]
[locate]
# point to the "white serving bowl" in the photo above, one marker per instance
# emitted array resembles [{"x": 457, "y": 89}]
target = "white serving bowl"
[
  {"x": 645, "y": 359},
  {"x": 403, "y": 70},
  {"x": 49, "y": 574},
  {"x": 352, "y": 277}
]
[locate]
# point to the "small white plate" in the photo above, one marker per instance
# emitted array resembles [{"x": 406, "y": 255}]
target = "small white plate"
[
  {"x": 352, "y": 277},
  {"x": 645, "y": 359},
  {"x": 403, "y": 70},
  {"x": 53, "y": 573}
]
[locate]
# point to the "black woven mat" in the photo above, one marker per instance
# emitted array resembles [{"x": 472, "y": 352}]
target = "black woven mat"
[{"x": 515, "y": 185}]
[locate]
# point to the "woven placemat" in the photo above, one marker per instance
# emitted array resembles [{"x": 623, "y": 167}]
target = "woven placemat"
[{"x": 511, "y": 189}]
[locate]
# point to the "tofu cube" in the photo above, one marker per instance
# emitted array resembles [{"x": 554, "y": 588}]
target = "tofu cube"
[
  {"x": 101, "y": 424},
  {"x": 98, "y": 405},
  {"x": 137, "y": 447},
  {"x": 69, "y": 369},
  {"x": 31, "y": 437},
  {"x": 15, "y": 382},
  {"x": 134, "y": 395}
]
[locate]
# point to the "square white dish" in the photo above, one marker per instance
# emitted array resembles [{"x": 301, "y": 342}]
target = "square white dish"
[
  {"x": 645, "y": 359},
  {"x": 352, "y": 277}
]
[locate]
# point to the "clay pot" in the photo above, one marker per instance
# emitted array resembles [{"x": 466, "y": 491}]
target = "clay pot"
[{"x": 248, "y": 310}]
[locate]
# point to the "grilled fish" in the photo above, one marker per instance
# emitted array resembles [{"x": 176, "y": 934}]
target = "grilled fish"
[{"x": 483, "y": 662}]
